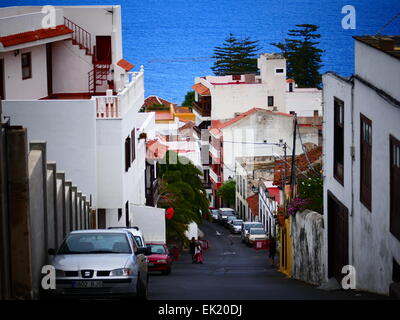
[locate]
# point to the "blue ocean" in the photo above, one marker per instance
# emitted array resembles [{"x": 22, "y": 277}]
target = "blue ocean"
[{"x": 174, "y": 39}]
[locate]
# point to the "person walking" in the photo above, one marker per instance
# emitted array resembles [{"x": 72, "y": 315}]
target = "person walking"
[
  {"x": 272, "y": 250},
  {"x": 199, "y": 253},
  {"x": 192, "y": 247}
]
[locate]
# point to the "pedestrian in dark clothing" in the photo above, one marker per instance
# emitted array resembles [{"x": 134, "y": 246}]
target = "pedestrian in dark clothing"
[
  {"x": 272, "y": 250},
  {"x": 192, "y": 247}
]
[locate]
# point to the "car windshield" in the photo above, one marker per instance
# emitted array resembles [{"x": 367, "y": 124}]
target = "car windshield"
[
  {"x": 237, "y": 223},
  {"x": 91, "y": 243},
  {"x": 253, "y": 225},
  {"x": 157, "y": 248},
  {"x": 257, "y": 231}
]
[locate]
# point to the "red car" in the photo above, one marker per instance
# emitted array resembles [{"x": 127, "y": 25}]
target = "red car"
[{"x": 160, "y": 258}]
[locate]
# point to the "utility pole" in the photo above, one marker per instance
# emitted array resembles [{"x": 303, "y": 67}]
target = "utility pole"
[
  {"x": 293, "y": 177},
  {"x": 284, "y": 176}
]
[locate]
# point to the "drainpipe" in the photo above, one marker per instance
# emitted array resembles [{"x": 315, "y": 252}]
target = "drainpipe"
[{"x": 352, "y": 153}]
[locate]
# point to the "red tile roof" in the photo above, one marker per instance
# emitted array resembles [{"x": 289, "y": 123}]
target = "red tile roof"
[
  {"x": 221, "y": 125},
  {"x": 290, "y": 80},
  {"x": 252, "y": 201},
  {"x": 301, "y": 164},
  {"x": 24, "y": 37},
  {"x": 125, "y": 64},
  {"x": 201, "y": 89},
  {"x": 149, "y": 101}
]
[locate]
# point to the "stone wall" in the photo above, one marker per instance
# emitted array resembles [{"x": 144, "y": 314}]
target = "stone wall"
[
  {"x": 308, "y": 247},
  {"x": 38, "y": 209}
]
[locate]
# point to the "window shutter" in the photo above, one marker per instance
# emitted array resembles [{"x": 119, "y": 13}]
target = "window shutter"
[
  {"x": 365, "y": 161},
  {"x": 127, "y": 153},
  {"x": 133, "y": 141},
  {"x": 394, "y": 187}
]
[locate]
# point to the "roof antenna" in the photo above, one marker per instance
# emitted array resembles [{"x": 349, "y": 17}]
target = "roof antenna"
[{"x": 390, "y": 21}]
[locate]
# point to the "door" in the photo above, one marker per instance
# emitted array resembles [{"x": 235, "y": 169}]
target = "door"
[
  {"x": 338, "y": 237},
  {"x": 2, "y": 90},
  {"x": 103, "y": 49}
]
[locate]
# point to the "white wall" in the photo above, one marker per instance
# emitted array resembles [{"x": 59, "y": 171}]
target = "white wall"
[
  {"x": 374, "y": 267},
  {"x": 304, "y": 102},
  {"x": 32, "y": 88},
  {"x": 383, "y": 73},
  {"x": 259, "y": 127},
  {"x": 69, "y": 128},
  {"x": 70, "y": 68}
]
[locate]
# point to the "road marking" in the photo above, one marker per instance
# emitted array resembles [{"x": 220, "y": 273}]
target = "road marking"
[{"x": 228, "y": 253}]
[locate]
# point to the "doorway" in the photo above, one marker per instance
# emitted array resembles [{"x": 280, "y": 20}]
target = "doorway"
[
  {"x": 103, "y": 49},
  {"x": 338, "y": 237}
]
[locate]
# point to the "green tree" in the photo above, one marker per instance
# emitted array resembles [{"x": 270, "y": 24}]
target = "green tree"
[
  {"x": 189, "y": 99},
  {"x": 181, "y": 189},
  {"x": 227, "y": 192},
  {"x": 302, "y": 55},
  {"x": 236, "y": 56}
]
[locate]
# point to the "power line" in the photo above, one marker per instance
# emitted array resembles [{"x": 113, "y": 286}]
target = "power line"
[{"x": 389, "y": 22}]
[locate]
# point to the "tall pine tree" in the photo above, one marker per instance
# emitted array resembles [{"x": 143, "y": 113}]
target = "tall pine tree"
[
  {"x": 302, "y": 55},
  {"x": 236, "y": 56}
]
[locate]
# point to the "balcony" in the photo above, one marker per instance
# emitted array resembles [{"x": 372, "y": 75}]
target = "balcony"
[
  {"x": 202, "y": 108},
  {"x": 214, "y": 177},
  {"x": 115, "y": 106},
  {"x": 214, "y": 152}
]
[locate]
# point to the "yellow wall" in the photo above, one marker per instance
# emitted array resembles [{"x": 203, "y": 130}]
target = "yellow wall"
[{"x": 284, "y": 235}]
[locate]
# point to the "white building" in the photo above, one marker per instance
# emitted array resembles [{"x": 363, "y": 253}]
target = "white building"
[
  {"x": 69, "y": 85},
  {"x": 362, "y": 165},
  {"x": 224, "y": 97},
  {"x": 257, "y": 132}
]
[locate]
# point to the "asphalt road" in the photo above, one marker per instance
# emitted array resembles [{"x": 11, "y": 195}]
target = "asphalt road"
[{"x": 233, "y": 271}]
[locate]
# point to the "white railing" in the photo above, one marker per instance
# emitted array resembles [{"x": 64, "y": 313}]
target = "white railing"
[
  {"x": 214, "y": 152},
  {"x": 214, "y": 176},
  {"x": 115, "y": 106}
]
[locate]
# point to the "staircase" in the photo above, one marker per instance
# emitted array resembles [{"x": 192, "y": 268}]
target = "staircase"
[{"x": 80, "y": 37}]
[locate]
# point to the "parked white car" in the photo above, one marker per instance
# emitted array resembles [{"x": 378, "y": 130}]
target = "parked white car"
[
  {"x": 100, "y": 263},
  {"x": 256, "y": 234},
  {"x": 246, "y": 227}
]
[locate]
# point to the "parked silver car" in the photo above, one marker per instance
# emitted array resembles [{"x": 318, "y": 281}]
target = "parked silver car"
[
  {"x": 235, "y": 226},
  {"x": 100, "y": 263}
]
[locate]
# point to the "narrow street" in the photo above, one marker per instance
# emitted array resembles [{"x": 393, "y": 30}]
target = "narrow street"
[{"x": 231, "y": 270}]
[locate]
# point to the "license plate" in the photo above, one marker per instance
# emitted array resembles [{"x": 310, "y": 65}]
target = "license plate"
[{"x": 87, "y": 284}]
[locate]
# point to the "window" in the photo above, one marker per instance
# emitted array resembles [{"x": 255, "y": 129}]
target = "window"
[
  {"x": 236, "y": 77},
  {"x": 290, "y": 87},
  {"x": 316, "y": 113},
  {"x": 292, "y": 112},
  {"x": 270, "y": 101},
  {"x": 365, "y": 160},
  {"x": 127, "y": 154},
  {"x": 133, "y": 140},
  {"x": 119, "y": 214},
  {"x": 26, "y": 65},
  {"x": 338, "y": 139},
  {"x": 279, "y": 70},
  {"x": 394, "y": 187}
]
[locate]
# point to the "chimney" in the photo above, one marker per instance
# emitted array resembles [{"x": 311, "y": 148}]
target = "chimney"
[{"x": 386, "y": 43}]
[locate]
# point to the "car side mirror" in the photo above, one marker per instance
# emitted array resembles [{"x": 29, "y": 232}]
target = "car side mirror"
[
  {"x": 144, "y": 250},
  {"x": 51, "y": 252}
]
